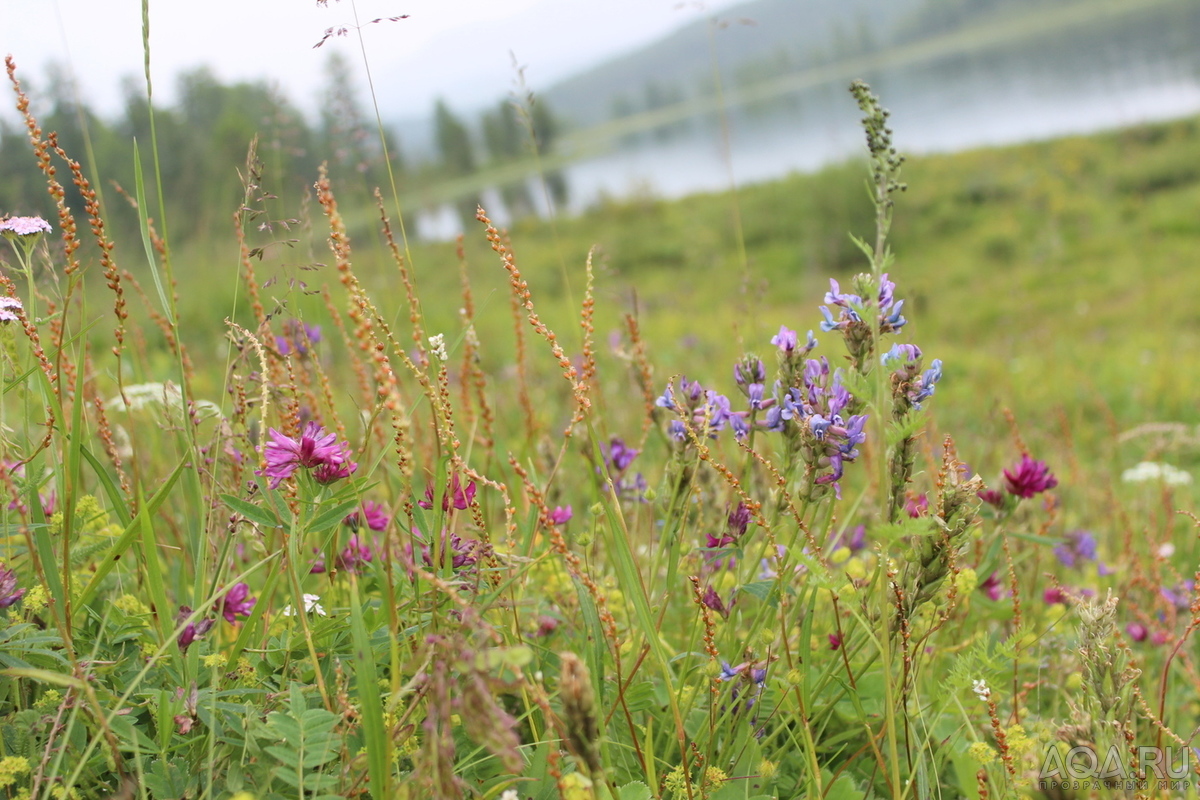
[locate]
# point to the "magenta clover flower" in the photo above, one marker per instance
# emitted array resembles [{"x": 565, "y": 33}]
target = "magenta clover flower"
[
  {"x": 356, "y": 552},
  {"x": 1028, "y": 478},
  {"x": 193, "y": 630},
  {"x": 237, "y": 602},
  {"x": 374, "y": 514},
  {"x": 561, "y": 515},
  {"x": 457, "y": 496},
  {"x": 316, "y": 449}
]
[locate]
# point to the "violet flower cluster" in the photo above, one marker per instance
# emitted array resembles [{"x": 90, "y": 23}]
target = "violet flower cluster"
[
  {"x": 298, "y": 337},
  {"x": 618, "y": 458},
  {"x": 815, "y": 413},
  {"x": 707, "y": 411},
  {"x": 856, "y": 330}
]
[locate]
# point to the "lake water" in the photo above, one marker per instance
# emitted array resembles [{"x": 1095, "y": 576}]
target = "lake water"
[{"x": 1106, "y": 77}]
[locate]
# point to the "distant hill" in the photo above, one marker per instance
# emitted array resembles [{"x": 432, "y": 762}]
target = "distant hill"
[
  {"x": 751, "y": 41},
  {"x": 758, "y": 41}
]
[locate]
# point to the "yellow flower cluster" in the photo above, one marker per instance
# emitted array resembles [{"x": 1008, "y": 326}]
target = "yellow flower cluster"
[{"x": 11, "y": 768}]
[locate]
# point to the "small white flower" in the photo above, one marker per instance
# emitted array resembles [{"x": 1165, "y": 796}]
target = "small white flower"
[
  {"x": 437, "y": 343},
  {"x": 1153, "y": 471},
  {"x": 981, "y": 689},
  {"x": 1166, "y": 550},
  {"x": 310, "y": 606},
  {"x": 510, "y": 794}
]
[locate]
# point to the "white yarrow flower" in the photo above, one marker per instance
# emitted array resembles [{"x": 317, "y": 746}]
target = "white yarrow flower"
[
  {"x": 437, "y": 343},
  {"x": 1153, "y": 471},
  {"x": 311, "y": 606}
]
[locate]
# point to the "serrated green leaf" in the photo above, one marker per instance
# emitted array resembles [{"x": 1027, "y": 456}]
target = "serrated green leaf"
[{"x": 635, "y": 790}]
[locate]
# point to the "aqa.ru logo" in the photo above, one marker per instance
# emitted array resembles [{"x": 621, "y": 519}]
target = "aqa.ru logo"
[{"x": 1086, "y": 767}]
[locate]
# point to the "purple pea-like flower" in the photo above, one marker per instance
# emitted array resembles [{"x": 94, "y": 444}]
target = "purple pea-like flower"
[
  {"x": 1079, "y": 546},
  {"x": 237, "y": 602},
  {"x": 561, "y": 515},
  {"x": 618, "y": 455},
  {"x": 1029, "y": 477},
  {"x": 786, "y": 340},
  {"x": 315, "y": 448},
  {"x": 1137, "y": 631},
  {"x": 328, "y": 473},
  {"x": 193, "y": 630},
  {"x": 9, "y": 593}
]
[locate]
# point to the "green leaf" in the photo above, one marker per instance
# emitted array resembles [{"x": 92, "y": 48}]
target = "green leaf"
[
  {"x": 635, "y": 790},
  {"x": 332, "y": 516},
  {"x": 256, "y": 514}
]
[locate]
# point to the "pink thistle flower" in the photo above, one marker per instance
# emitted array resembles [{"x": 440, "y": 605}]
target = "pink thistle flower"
[
  {"x": 328, "y": 473},
  {"x": 376, "y": 517},
  {"x": 356, "y": 552},
  {"x": 315, "y": 448},
  {"x": 917, "y": 506},
  {"x": 457, "y": 496},
  {"x": 993, "y": 587},
  {"x": 237, "y": 602},
  {"x": 1028, "y": 478}
]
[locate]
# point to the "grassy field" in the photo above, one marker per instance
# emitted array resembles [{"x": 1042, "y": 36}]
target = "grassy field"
[{"x": 541, "y": 565}]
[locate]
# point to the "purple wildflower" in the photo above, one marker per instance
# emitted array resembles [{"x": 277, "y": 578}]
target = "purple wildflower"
[
  {"x": 1079, "y": 546},
  {"x": 193, "y": 630},
  {"x": 374, "y": 514},
  {"x": 297, "y": 337},
  {"x": 457, "y": 496},
  {"x": 356, "y": 552},
  {"x": 237, "y": 602},
  {"x": 917, "y": 506},
  {"x": 618, "y": 455},
  {"x": 328, "y": 473},
  {"x": 835, "y": 641},
  {"x": 1028, "y": 478},
  {"x": 749, "y": 372},
  {"x": 315, "y": 448},
  {"x": 712, "y": 600},
  {"x": 993, "y": 587},
  {"x": 1137, "y": 631},
  {"x": 9, "y": 306},
  {"x": 992, "y": 497},
  {"x": 461, "y": 553},
  {"x": 786, "y": 340},
  {"x": 561, "y": 515},
  {"x": 1179, "y": 595},
  {"x": 852, "y": 539},
  {"x": 9, "y": 593}
]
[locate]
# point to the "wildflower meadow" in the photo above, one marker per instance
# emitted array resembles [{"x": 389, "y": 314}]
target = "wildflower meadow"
[{"x": 311, "y": 546}]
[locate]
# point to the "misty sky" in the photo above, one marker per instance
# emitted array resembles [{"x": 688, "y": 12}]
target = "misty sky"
[{"x": 459, "y": 49}]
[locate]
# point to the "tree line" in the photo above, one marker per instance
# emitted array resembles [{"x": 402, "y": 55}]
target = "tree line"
[{"x": 204, "y": 135}]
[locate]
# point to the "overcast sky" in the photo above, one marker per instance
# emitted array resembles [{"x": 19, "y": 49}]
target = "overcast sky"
[{"x": 455, "y": 48}]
